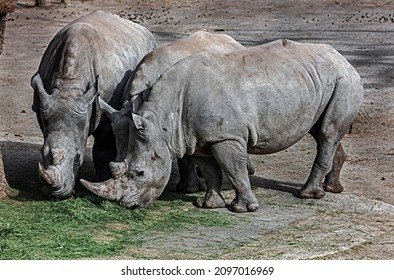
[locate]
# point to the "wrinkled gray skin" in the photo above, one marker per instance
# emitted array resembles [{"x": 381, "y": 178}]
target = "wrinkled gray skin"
[
  {"x": 151, "y": 67},
  {"x": 65, "y": 90},
  {"x": 217, "y": 108}
]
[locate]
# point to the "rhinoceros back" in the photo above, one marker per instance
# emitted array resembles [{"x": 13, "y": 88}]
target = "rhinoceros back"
[
  {"x": 161, "y": 59},
  {"x": 97, "y": 44}
]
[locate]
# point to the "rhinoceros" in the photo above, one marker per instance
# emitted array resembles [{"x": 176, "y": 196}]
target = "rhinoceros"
[
  {"x": 217, "y": 108},
  {"x": 151, "y": 67},
  {"x": 65, "y": 90}
]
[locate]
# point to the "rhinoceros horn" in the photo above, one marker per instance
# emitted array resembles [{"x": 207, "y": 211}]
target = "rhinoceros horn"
[
  {"x": 50, "y": 176},
  {"x": 106, "y": 190},
  {"x": 117, "y": 168}
]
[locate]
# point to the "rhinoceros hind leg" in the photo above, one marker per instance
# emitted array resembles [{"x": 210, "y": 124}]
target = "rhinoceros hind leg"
[
  {"x": 322, "y": 165},
  {"x": 213, "y": 177},
  {"x": 332, "y": 183},
  {"x": 328, "y": 132},
  {"x": 233, "y": 159},
  {"x": 188, "y": 179}
]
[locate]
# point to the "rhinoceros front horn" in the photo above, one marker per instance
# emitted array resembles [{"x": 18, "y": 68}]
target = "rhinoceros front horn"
[
  {"x": 49, "y": 176},
  {"x": 105, "y": 189}
]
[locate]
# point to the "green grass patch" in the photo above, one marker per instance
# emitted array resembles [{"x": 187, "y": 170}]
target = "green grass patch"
[{"x": 88, "y": 227}]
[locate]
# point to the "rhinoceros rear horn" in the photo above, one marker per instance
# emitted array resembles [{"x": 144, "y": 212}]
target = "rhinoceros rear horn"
[
  {"x": 38, "y": 86},
  {"x": 136, "y": 102}
]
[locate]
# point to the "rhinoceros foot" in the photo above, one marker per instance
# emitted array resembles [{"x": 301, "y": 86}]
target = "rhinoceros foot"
[
  {"x": 242, "y": 205},
  {"x": 307, "y": 193},
  {"x": 212, "y": 199},
  {"x": 333, "y": 187}
]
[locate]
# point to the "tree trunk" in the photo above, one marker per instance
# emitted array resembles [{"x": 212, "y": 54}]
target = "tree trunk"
[
  {"x": 43, "y": 3},
  {"x": 3, "y": 182}
]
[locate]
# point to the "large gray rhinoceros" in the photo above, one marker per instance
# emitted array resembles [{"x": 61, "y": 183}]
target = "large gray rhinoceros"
[
  {"x": 65, "y": 89},
  {"x": 220, "y": 107},
  {"x": 149, "y": 70}
]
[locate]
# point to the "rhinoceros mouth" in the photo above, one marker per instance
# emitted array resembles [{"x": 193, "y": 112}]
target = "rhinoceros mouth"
[
  {"x": 59, "y": 193},
  {"x": 134, "y": 204}
]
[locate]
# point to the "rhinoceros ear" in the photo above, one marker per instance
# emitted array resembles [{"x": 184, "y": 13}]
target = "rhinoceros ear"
[
  {"x": 38, "y": 86},
  {"x": 108, "y": 109},
  {"x": 139, "y": 122},
  {"x": 136, "y": 102},
  {"x": 90, "y": 94}
]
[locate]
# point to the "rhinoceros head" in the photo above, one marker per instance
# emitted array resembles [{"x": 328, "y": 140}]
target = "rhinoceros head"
[
  {"x": 64, "y": 120},
  {"x": 140, "y": 178}
]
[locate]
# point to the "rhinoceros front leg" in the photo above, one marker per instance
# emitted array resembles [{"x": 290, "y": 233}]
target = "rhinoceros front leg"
[
  {"x": 212, "y": 174},
  {"x": 104, "y": 150},
  {"x": 188, "y": 179},
  {"x": 233, "y": 159}
]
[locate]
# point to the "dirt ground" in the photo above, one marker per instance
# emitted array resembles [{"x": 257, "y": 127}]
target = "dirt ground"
[{"x": 362, "y": 31}]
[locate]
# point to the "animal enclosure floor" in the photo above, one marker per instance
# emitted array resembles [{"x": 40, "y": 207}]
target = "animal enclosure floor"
[{"x": 357, "y": 224}]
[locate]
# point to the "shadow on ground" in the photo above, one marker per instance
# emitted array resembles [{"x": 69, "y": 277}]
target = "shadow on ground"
[{"x": 21, "y": 165}]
